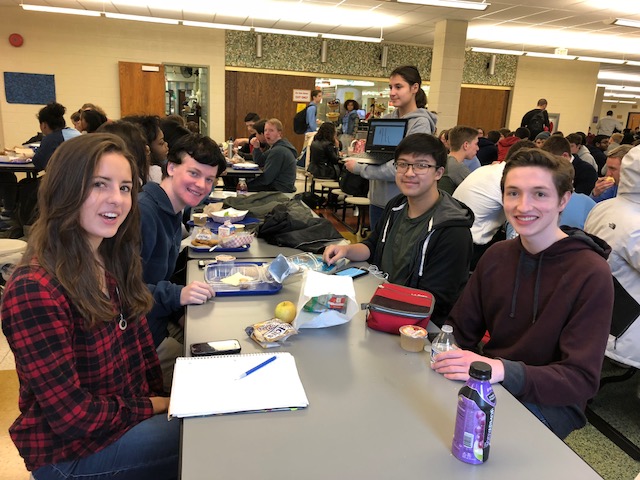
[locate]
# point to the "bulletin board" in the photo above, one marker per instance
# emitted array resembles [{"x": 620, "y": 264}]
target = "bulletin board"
[{"x": 29, "y": 88}]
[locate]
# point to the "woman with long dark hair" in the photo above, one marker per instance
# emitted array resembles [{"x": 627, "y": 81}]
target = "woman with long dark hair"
[
  {"x": 324, "y": 158},
  {"x": 73, "y": 313}
]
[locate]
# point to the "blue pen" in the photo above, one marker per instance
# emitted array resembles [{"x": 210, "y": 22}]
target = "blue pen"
[{"x": 257, "y": 367}]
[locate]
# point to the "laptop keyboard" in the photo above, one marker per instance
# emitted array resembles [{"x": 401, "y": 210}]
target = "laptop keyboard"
[{"x": 380, "y": 156}]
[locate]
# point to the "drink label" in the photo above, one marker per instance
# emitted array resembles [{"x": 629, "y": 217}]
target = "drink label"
[{"x": 474, "y": 422}]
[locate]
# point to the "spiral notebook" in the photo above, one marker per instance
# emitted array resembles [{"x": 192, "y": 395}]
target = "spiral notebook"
[{"x": 211, "y": 385}]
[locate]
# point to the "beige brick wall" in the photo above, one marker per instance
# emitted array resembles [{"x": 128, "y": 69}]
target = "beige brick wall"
[{"x": 83, "y": 54}]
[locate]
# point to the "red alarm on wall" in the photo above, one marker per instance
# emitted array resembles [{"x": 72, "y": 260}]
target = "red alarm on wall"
[{"x": 16, "y": 40}]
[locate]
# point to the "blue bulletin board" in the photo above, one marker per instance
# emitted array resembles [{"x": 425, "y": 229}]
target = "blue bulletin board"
[{"x": 29, "y": 88}]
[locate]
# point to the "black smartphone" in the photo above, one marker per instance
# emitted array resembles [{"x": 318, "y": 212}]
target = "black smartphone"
[
  {"x": 219, "y": 347},
  {"x": 353, "y": 272}
]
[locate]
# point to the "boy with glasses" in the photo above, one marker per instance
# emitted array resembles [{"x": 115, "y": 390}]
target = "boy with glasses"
[{"x": 423, "y": 239}]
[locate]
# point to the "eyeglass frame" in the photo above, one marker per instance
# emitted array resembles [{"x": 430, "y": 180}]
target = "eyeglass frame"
[{"x": 420, "y": 171}]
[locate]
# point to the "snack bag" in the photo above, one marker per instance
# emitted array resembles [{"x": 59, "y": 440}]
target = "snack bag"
[
  {"x": 270, "y": 333},
  {"x": 325, "y": 301}
]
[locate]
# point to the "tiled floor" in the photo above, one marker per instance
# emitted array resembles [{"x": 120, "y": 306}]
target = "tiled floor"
[{"x": 7, "y": 361}]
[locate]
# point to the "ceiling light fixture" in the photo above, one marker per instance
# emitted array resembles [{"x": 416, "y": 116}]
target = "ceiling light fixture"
[
  {"x": 68, "y": 11},
  {"x": 354, "y": 38},
  {"x": 497, "y": 50},
  {"x": 463, "y": 4},
  {"x": 550, "y": 55},
  {"x": 221, "y": 26},
  {"x": 277, "y": 31},
  {"x": 623, "y": 22},
  {"x": 622, "y": 88},
  {"x": 601, "y": 60},
  {"x": 140, "y": 18}
]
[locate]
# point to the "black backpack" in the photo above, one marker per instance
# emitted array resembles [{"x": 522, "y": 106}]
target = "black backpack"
[
  {"x": 536, "y": 123},
  {"x": 300, "y": 121}
]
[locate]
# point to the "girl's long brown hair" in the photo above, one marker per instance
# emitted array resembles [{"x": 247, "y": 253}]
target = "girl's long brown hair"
[{"x": 59, "y": 244}]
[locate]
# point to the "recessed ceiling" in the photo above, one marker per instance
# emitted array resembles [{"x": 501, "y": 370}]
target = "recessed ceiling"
[{"x": 581, "y": 26}]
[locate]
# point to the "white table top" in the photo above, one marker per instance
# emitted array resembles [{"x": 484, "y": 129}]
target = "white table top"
[{"x": 375, "y": 412}]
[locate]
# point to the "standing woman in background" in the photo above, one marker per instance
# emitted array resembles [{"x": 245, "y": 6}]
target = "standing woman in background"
[
  {"x": 73, "y": 313},
  {"x": 409, "y": 100},
  {"x": 349, "y": 123}
]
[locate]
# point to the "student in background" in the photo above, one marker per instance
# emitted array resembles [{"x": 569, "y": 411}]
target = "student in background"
[
  {"x": 279, "y": 172},
  {"x": 607, "y": 187},
  {"x": 90, "y": 120},
  {"x": 135, "y": 142},
  {"x": 410, "y": 102},
  {"x": 73, "y": 313},
  {"x": 244, "y": 144},
  {"x": 548, "y": 331},
  {"x": 537, "y": 119},
  {"x": 324, "y": 157},
  {"x": 312, "y": 110},
  {"x": 349, "y": 123},
  {"x": 464, "y": 146},
  {"x": 158, "y": 147}
]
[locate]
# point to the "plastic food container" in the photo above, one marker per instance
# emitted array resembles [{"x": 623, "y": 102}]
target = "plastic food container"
[
  {"x": 412, "y": 338},
  {"x": 252, "y": 275},
  {"x": 230, "y": 214}
]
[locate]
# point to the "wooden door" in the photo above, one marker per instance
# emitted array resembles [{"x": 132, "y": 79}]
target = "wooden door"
[
  {"x": 481, "y": 107},
  {"x": 142, "y": 89},
  {"x": 270, "y": 96},
  {"x": 633, "y": 121}
]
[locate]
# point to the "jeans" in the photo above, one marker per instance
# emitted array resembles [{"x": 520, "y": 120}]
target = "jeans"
[
  {"x": 375, "y": 214},
  {"x": 149, "y": 451}
]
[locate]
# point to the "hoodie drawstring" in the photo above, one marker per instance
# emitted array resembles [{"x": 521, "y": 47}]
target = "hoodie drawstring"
[
  {"x": 512, "y": 314},
  {"x": 424, "y": 248},
  {"x": 536, "y": 288}
]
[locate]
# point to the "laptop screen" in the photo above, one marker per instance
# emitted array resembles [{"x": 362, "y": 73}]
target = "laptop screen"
[{"x": 385, "y": 135}]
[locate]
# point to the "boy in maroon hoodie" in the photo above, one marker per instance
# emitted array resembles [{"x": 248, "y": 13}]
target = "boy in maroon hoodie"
[{"x": 549, "y": 326}]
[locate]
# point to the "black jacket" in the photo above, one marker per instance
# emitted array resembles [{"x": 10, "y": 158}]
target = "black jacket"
[
  {"x": 585, "y": 176},
  {"x": 323, "y": 162}
]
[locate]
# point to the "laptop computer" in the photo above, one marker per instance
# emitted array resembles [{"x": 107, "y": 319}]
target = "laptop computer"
[{"x": 383, "y": 137}]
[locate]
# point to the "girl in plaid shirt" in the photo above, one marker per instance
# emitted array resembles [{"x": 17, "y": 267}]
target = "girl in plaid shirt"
[{"x": 74, "y": 315}]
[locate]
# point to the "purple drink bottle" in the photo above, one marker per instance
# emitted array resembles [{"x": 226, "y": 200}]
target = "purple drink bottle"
[{"x": 474, "y": 418}]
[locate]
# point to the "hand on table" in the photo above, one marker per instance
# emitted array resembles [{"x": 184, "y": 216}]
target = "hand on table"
[
  {"x": 160, "y": 404},
  {"x": 602, "y": 185},
  {"x": 454, "y": 365},
  {"x": 333, "y": 253},
  {"x": 196, "y": 293}
]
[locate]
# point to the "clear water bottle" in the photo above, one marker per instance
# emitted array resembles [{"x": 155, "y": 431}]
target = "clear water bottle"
[
  {"x": 241, "y": 187},
  {"x": 443, "y": 342},
  {"x": 474, "y": 417}
]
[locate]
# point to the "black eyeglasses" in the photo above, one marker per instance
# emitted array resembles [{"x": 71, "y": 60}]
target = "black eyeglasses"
[{"x": 418, "y": 168}]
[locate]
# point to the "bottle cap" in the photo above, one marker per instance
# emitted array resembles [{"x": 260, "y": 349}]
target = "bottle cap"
[
  {"x": 480, "y": 370},
  {"x": 447, "y": 329}
]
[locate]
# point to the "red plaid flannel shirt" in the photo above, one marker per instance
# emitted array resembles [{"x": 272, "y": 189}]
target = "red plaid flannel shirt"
[{"x": 79, "y": 390}]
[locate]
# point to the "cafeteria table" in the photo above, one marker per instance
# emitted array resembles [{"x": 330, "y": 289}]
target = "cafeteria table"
[
  {"x": 27, "y": 168},
  {"x": 259, "y": 248},
  {"x": 375, "y": 411}
]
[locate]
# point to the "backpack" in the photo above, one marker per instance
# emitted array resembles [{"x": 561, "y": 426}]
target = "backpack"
[
  {"x": 300, "y": 121},
  {"x": 536, "y": 122},
  {"x": 353, "y": 184}
]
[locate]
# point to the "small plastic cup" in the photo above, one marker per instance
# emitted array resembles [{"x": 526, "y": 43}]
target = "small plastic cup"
[{"x": 412, "y": 338}]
